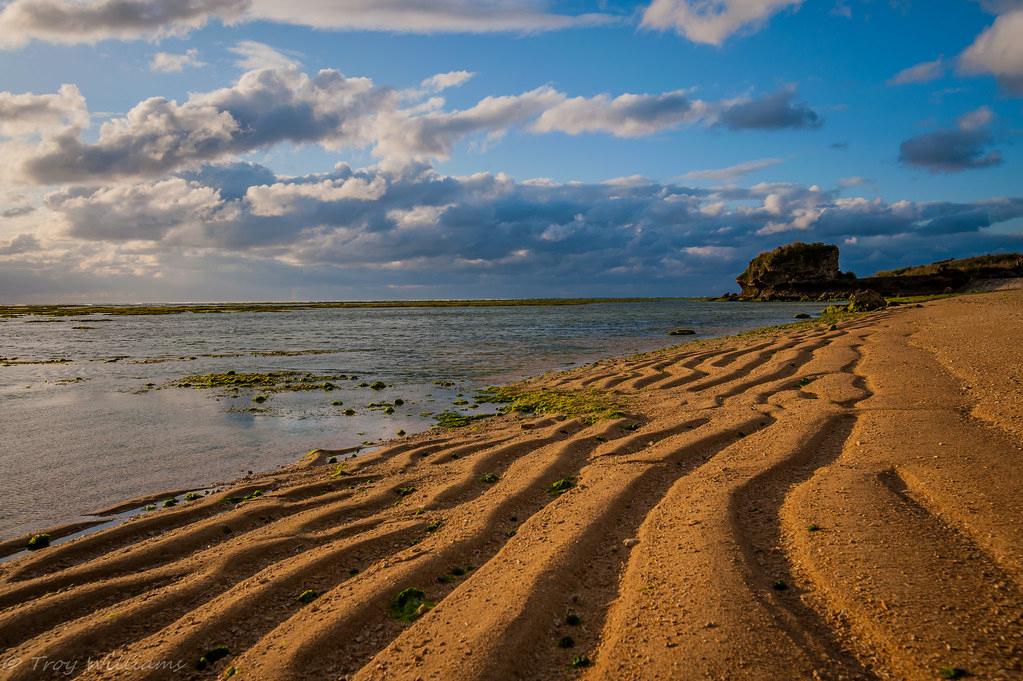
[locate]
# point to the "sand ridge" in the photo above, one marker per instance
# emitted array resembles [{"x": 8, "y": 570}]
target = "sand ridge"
[{"x": 817, "y": 502}]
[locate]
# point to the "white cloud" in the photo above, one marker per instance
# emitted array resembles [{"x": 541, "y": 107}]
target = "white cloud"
[
  {"x": 999, "y": 51},
  {"x": 167, "y": 62},
  {"x": 732, "y": 172},
  {"x": 628, "y": 115},
  {"x": 923, "y": 72},
  {"x": 415, "y": 16},
  {"x": 29, "y": 113},
  {"x": 711, "y": 21},
  {"x": 91, "y": 21},
  {"x": 282, "y": 198},
  {"x": 443, "y": 81},
  {"x": 715, "y": 252},
  {"x": 277, "y": 104},
  {"x": 256, "y": 55},
  {"x": 853, "y": 181}
]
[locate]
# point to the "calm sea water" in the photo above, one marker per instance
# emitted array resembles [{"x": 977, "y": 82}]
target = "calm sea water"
[{"x": 84, "y": 435}]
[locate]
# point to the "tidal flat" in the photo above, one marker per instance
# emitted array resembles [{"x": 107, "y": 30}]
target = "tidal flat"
[{"x": 96, "y": 415}]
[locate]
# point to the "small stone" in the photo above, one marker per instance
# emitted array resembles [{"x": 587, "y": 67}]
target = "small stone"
[{"x": 629, "y": 543}]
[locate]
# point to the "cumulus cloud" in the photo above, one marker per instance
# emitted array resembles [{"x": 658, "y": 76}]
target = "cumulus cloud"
[
  {"x": 75, "y": 22},
  {"x": 263, "y": 108},
  {"x": 242, "y": 231},
  {"x": 23, "y": 243},
  {"x": 375, "y": 218},
  {"x": 627, "y": 115},
  {"x": 999, "y": 50},
  {"x": 923, "y": 72},
  {"x": 955, "y": 149},
  {"x": 773, "y": 111},
  {"x": 29, "y": 113},
  {"x": 272, "y": 105},
  {"x": 168, "y": 62},
  {"x": 145, "y": 211},
  {"x": 282, "y": 198},
  {"x": 711, "y": 21},
  {"x": 734, "y": 172}
]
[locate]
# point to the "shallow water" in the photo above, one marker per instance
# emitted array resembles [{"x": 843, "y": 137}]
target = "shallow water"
[{"x": 80, "y": 436}]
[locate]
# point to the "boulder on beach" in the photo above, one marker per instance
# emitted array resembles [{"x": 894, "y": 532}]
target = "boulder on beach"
[{"x": 866, "y": 300}]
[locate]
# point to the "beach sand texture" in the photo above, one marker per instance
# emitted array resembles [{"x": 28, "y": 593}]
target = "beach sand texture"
[{"x": 808, "y": 503}]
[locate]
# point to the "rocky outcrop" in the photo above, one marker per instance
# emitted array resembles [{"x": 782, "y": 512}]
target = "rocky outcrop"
[
  {"x": 799, "y": 271},
  {"x": 795, "y": 271}
]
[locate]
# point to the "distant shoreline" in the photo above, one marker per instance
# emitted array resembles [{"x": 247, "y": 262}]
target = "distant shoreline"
[{"x": 140, "y": 309}]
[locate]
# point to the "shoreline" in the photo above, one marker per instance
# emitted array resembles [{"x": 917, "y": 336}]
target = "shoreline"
[
  {"x": 138, "y": 500},
  {"x": 714, "y": 523}
]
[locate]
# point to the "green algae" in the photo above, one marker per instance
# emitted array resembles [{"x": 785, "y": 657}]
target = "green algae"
[
  {"x": 588, "y": 405},
  {"x": 409, "y": 605},
  {"x": 38, "y": 541},
  {"x": 267, "y": 381}
]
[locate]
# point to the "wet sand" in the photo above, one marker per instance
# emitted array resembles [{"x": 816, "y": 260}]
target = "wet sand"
[{"x": 806, "y": 503}]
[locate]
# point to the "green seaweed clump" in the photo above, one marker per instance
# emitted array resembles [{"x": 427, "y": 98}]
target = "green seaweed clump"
[
  {"x": 193, "y": 496},
  {"x": 38, "y": 541},
  {"x": 952, "y": 672},
  {"x": 308, "y": 596},
  {"x": 589, "y": 405},
  {"x": 235, "y": 500},
  {"x": 561, "y": 486},
  {"x": 490, "y": 478},
  {"x": 267, "y": 381},
  {"x": 580, "y": 661},
  {"x": 377, "y": 385},
  {"x": 409, "y": 605},
  {"x": 211, "y": 656},
  {"x": 170, "y": 503},
  {"x": 454, "y": 419},
  {"x": 434, "y": 525},
  {"x": 566, "y": 642},
  {"x": 404, "y": 491}
]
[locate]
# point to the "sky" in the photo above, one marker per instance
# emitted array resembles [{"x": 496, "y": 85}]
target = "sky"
[{"x": 209, "y": 150}]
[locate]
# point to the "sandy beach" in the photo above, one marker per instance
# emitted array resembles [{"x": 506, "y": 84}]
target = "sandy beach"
[{"x": 833, "y": 502}]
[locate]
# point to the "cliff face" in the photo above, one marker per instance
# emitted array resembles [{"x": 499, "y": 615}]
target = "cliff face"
[
  {"x": 793, "y": 272},
  {"x": 799, "y": 271}
]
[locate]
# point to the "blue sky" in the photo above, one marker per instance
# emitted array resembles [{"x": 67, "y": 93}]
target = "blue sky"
[{"x": 890, "y": 128}]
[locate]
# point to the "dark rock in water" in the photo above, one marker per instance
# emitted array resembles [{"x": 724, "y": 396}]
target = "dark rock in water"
[
  {"x": 802, "y": 315},
  {"x": 866, "y": 300},
  {"x": 796, "y": 271},
  {"x": 681, "y": 332}
]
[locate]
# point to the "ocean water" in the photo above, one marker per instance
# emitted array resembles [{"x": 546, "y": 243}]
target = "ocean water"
[{"x": 79, "y": 436}]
